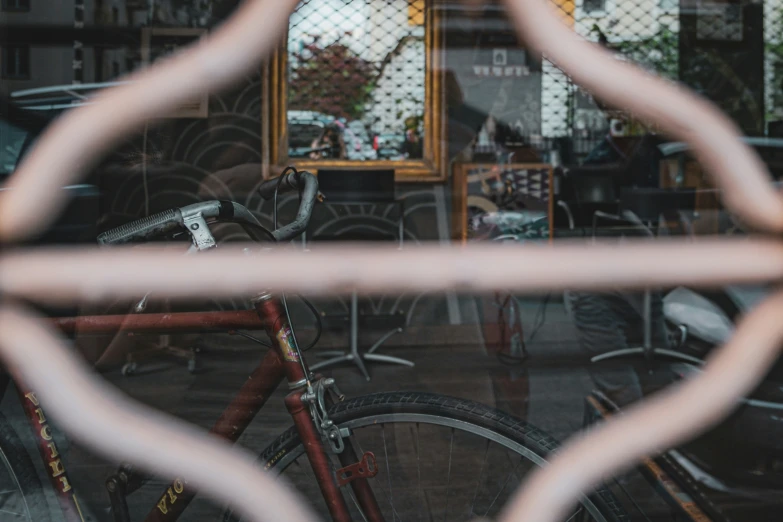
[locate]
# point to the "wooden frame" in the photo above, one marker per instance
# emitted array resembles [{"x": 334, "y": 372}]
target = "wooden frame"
[
  {"x": 461, "y": 192},
  {"x": 199, "y": 108},
  {"x": 428, "y": 169}
]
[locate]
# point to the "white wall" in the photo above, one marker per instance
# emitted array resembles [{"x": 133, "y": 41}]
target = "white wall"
[{"x": 399, "y": 93}]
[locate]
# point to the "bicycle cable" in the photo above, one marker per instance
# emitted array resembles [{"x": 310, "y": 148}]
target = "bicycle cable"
[
  {"x": 305, "y": 301},
  {"x": 318, "y": 329},
  {"x": 538, "y": 322},
  {"x": 282, "y": 294},
  {"x": 540, "y": 318}
]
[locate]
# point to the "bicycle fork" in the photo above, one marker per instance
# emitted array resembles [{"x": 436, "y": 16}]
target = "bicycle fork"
[{"x": 307, "y": 404}]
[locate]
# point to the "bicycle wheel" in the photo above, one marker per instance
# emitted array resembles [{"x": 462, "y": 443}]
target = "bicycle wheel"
[
  {"x": 21, "y": 495},
  {"x": 438, "y": 458}
]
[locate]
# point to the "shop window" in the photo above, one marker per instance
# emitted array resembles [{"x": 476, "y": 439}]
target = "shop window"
[
  {"x": 15, "y": 62},
  {"x": 17, "y": 6}
]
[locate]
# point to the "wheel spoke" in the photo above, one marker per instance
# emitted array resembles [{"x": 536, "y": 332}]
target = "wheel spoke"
[
  {"x": 418, "y": 463},
  {"x": 358, "y": 507},
  {"x": 448, "y": 476},
  {"x": 306, "y": 470},
  {"x": 505, "y": 483},
  {"x": 429, "y": 508},
  {"x": 9, "y": 492},
  {"x": 421, "y": 438},
  {"x": 388, "y": 472},
  {"x": 478, "y": 483},
  {"x": 394, "y": 513}
]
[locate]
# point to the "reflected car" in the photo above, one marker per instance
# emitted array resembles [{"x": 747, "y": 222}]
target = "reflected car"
[
  {"x": 19, "y": 128},
  {"x": 301, "y": 135},
  {"x": 360, "y": 139},
  {"x": 296, "y": 115},
  {"x": 389, "y": 146},
  {"x": 769, "y": 149}
]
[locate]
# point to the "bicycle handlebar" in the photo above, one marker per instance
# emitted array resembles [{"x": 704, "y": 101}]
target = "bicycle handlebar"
[
  {"x": 307, "y": 185},
  {"x": 166, "y": 221}
]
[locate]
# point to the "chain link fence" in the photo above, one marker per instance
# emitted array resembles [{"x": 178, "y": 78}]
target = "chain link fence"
[
  {"x": 358, "y": 65},
  {"x": 361, "y": 64},
  {"x": 729, "y": 51}
]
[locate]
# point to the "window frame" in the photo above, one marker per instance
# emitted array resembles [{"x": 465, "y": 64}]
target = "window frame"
[
  {"x": 431, "y": 167},
  {"x": 8, "y": 8},
  {"x": 4, "y": 63}
]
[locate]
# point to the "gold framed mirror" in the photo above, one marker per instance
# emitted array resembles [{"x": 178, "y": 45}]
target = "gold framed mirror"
[{"x": 357, "y": 84}]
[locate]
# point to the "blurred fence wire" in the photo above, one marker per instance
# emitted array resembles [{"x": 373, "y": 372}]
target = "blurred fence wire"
[
  {"x": 33, "y": 200},
  {"x": 729, "y": 52}
]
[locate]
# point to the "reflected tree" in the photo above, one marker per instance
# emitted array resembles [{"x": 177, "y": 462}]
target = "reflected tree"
[{"x": 331, "y": 79}]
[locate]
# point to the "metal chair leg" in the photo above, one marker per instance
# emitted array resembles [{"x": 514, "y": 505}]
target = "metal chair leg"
[
  {"x": 388, "y": 359},
  {"x": 672, "y": 354},
  {"x": 383, "y": 339},
  {"x": 330, "y": 353},
  {"x": 333, "y": 361},
  {"x": 647, "y": 349},
  {"x": 360, "y": 363},
  {"x": 354, "y": 355},
  {"x": 614, "y": 354},
  {"x": 677, "y": 355}
]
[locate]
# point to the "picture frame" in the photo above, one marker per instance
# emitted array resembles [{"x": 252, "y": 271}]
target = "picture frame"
[
  {"x": 430, "y": 167},
  {"x": 531, "y": 182}
]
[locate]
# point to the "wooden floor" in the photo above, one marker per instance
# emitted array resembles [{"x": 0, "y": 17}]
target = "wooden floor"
[{"x": 549, "y": 389}]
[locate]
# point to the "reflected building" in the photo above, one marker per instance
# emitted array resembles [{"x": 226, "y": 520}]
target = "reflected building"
[{"x": 68, "y": 42}]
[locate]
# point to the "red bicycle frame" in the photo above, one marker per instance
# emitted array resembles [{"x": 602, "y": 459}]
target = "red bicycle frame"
[{"x": 282, "y": 362}]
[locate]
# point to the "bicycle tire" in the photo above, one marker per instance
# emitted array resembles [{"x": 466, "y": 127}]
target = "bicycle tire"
[
  {"x": 17, "y": 469},
  {"x": 449, "y": 412}
]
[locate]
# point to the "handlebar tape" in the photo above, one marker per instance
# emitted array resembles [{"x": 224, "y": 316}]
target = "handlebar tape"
[{"x": 144, "y": 228}]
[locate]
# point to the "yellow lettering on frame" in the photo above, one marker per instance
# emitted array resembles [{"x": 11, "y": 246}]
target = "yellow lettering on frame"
[
  {"x": 66, "y": 486},
  {"x": 172, "y": 496},
  {"x": 162, "y": 506},
  {"x": 41, "y": 418},
  {"x": 31, "y": 396},
  {"x": 46, "y": 433},
  {"x": 53, "y": 449},
  {"x": 179, "y": 487},
  {"x": 57, "y": 468}
]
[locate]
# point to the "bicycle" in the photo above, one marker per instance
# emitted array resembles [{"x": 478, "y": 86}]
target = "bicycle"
[{"x": 384, "y": 456}]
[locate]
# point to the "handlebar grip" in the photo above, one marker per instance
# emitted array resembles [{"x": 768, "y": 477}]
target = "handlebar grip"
[
  {"x": 143, "y": 228},
  {"x": 307, "y": 184}
]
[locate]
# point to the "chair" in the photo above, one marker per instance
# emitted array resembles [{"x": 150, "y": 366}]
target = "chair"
[
  {"x": 357, "y": 187},
  {"x": 586, "y": 190},
  {"x": 640, "y": 208},
  {"x": 596, "y": 187}
]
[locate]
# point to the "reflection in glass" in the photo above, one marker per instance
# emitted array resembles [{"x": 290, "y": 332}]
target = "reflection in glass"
[{"x": 356, "y": 74}]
